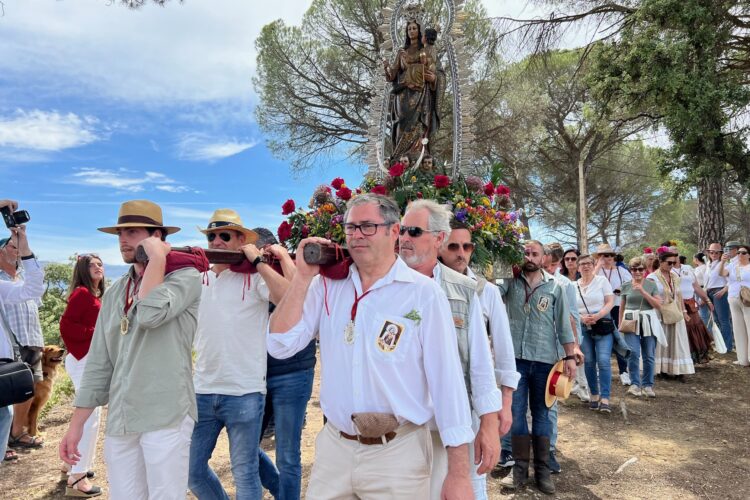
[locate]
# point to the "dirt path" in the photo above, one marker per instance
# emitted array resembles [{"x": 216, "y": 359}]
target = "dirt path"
[{"x": 690, "y": 442}]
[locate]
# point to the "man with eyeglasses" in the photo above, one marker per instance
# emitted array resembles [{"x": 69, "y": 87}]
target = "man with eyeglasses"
[
  {"x": 424, "y": 228},
  {"x": 456, "y": 253},
  {"x": 378, "y": 396},
  {"x": 230, "y": 364},
  {"x": 539, "y": 321},
  {"x": 716, "y": 288}
]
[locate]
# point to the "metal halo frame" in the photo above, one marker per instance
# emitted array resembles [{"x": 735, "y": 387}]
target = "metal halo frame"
[{"x": 463, "y": 109}]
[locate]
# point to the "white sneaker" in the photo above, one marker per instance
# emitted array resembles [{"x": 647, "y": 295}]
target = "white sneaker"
[
  {"x": 634, "y": 390},
  {"x": 649, "y": 392},
  {"x": 625, "y": 378}
]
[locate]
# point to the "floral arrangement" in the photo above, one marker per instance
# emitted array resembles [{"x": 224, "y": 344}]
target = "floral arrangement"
[{"x": 483, "y": 205}]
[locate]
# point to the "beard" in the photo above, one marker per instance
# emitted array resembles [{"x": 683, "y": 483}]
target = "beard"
[{"x": 530, "y": 267}]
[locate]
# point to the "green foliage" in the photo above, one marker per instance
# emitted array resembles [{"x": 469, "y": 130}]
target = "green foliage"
[
  {"x": 56, "y": 280},
  {"x": 62, "y": 391}
]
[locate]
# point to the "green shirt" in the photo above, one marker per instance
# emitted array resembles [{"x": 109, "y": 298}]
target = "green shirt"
[
  {"x": 635, "y": 299},
  {"x": 539, "y": 318},
  {"x": 146, "y": 375}
]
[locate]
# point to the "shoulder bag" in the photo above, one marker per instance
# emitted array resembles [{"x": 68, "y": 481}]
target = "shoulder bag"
[
  {"x": 671, "y": 312},
  {"x": 16, "y": 379},
  {"x": 744, "y": 291},
  {"x": 603, "y": 326},
  {"x": 630, "y": 325}
]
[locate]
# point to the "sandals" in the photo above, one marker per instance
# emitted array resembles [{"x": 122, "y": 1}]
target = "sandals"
[
  {"x": 64, "y": 474},
  {"x": 15, "y": 442},
  {"x": 72, "y": 491},
  {"x": 10, "y": 456}
]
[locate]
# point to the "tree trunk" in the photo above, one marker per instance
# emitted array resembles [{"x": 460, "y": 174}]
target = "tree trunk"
[{"x": 710, "y": 212}]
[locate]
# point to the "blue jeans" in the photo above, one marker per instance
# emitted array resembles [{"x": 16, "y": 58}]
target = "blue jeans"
[
  {"x": 722, "y": 317},
  {"x": 242, "y": 416},
  {"x": 645, "y": 347},
  {"x": 6, "y": 420},
  {"x": 286, "y": 403},
  {"x": 598, "y": 350},
  {"x": 530, "y": 393},
  {"x": 622, "y": 363}
]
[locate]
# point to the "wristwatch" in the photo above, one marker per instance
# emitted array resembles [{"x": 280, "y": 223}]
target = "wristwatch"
[
  {"x": 28, "y": 257},
  {"x": 257, "y": 261},
  {"x": 566, "y": 358}
]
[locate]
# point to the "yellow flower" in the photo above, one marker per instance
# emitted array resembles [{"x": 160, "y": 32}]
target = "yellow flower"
[{"x": 414, "y": 178}]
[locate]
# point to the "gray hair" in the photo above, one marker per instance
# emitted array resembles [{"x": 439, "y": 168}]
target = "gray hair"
[
  {"x": 439, "y": 216},
  {"x": 388, "y": 207}
]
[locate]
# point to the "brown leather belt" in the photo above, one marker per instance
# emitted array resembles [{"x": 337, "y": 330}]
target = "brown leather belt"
[{"x": 385, "y": 438}]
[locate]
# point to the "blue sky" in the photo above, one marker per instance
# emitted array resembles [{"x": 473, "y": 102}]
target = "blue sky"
[{"x": 100, "y": 104}]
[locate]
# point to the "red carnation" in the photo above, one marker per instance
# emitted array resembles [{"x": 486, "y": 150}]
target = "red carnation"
[
  {"x": 284, "y": 231},
  {"x": 420, "y": 195},
  {"x": 337, "y": 183},
  {"x": 344, "y": 193},
  {"x": 502, "y": 190},
  {"x": 305, "y": 231},
  {"x": 396, "y": 170},
  {"x": 648, "y": 250},
  {"x": 379, "y": 189},
  {"x": 489, "y": 189},
  {"x": 288, "y": 207},
  {"x": 442, "y": 181}
]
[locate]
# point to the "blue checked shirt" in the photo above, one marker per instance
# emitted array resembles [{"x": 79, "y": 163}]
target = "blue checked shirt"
[{"x": 23, "y": 318}]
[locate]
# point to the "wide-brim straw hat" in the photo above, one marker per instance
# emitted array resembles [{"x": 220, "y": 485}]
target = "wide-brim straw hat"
[
  {"x": 604, "y": 248},
  {"x": 139, "y": 213},
  {"x": 558, "y": 384},
  {"x": 226, "y": 218}
]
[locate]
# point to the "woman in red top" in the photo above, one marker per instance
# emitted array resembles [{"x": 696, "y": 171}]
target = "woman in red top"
[{"x": 77, "y": 330}]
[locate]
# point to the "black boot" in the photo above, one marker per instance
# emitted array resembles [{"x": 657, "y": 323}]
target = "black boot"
[
  {"x": 542, "y": 472},
  {"x": 521, "y": 454}
]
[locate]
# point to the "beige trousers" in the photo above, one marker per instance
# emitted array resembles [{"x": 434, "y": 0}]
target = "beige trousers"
[
  {"x": 346, "y": 469},
  {"x": 741, "y": 328}
]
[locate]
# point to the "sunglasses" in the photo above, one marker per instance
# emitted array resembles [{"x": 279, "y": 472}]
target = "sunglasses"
[
  {"x": 637, "y": 269},
  {"x": 671, "y": 262},
  {"x": 224, "y": 236},
  {"x": 608, "y": 255},
  {"x": 742, "y": 252},
  {"x": 585, "y": 263},
  {"x": 468, "y": 247},
  {"x": 571, "y": 259},
  {"x": 414, "y": 231}
]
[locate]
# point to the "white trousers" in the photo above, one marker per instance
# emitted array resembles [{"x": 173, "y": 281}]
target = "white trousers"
[
  {"x": 87, "y": 445},
  {"x": 741, "y": 328},
  {"x": 440, "y": 466},
  {"x": 345, "y": 469},
  {"x": 149, "y": 465}
]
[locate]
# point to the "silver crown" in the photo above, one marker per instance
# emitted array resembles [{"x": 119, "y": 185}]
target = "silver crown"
[{"x": 414, "y": 11}]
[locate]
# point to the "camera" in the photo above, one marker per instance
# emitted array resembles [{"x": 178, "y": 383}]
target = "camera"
[{"x": 13, "y": 219}]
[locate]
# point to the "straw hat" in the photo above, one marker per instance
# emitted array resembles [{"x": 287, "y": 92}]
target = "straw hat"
[
  {"x": 226, "y": 218},
  {"x": 558, "y": 384},
  {"x": 139, "y": 213},
  {"x": 604, "y": 248}
]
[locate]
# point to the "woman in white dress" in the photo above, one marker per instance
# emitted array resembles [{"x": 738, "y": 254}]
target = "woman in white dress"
[
  {"x": 672, "y": 359},
  {"x": 738, "y": 275}
]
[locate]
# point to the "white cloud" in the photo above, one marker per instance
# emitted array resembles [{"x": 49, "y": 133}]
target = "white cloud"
[
  {"x": 126, "y": 180},
  {"x": 201, "y": 147},
  {"x": 46, "y": 130}
]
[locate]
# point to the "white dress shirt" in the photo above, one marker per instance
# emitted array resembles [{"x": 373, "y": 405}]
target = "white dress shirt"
[
  {"x": 485, "y": 396},
  {"x": 713, "y": 279},
  {"x": 16, "y": 292},
  {"x": 502, "y": 343},
  {"x": 418, "y": 379},
  {"x": 738, "y": 280},
  {"x": 687, "y": 278},
  {"x": 616, "y": 277},
  {"x": 230, "y": 342}
]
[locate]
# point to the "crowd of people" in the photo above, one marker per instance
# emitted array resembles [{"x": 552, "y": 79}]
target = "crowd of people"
[{"x": 417, "y": 402}]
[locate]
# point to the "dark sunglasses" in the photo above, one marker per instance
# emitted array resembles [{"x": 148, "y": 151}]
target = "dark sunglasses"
[
  {"x": 224, "y": 236},
  {"x": 742, "y": 252},
  {"x": 671, "y": 262},
  {"x": 571, "y": 259},
  {"x": 414, "y": 231},
  {"x": 608, "y": 255},
  {"x": 468, "y": 247},
  {"x": 637, "y": 269}
]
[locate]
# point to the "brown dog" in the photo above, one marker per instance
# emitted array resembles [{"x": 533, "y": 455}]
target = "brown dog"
[{"x": 52, "y": 357}]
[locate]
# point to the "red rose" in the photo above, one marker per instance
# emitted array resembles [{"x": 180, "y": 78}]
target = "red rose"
[
  {"x": 337, "y": 183},
  {"x": 420, "y": 195},
  {"x": 284, "y": 231},
  {"x": 489, "y": 189},
  {"x": 442, "y": 181},
  {"x": 502, "y": 190},
  {"x": 305, "y": 231},
  {"x": 288, "y": 207},
  {"x": 379, "y": 189},
  {"x": 396, "y": 170},
  {"x": 344, "y": 193}
]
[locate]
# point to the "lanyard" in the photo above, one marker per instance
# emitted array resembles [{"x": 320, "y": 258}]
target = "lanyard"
[
  {"x": 528, "y": 292},
  {"x": 128, "y": 297},
  {"x": 357, "y": 298}
]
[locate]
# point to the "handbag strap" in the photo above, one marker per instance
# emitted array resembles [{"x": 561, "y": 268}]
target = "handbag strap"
[{"x": 582, "y": 299}]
